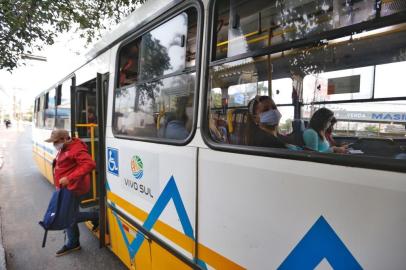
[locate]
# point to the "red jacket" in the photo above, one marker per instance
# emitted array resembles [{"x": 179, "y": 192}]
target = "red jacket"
[{"x": 74, "y": 162}]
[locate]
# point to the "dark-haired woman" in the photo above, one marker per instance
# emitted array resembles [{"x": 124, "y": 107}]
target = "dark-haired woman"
[
  {"x": 264, "y": 113},
  {"x": 315, "y": 136}
]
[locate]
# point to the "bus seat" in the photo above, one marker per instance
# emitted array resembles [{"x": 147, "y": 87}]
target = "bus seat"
[
  {"x": 164, "y": 119},
  {"x": 298, "y": 127},
  {"x": 306, "y": 123},
  {"x": 239, "y": 121}
]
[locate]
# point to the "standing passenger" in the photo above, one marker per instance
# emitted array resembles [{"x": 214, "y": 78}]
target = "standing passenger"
[{"x": 71, "y": 169}]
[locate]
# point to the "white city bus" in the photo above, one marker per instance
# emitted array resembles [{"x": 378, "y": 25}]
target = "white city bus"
[{"x": 180, "y": 182}]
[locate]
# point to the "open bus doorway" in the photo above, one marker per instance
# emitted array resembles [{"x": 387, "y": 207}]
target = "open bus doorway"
[{"x": 84, "y": 126}]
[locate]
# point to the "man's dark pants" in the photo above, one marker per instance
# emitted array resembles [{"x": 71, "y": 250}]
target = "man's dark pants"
[{"x": 73, "y": 231}]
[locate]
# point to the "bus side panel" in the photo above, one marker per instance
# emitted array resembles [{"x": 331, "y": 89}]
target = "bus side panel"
[
  {"x": 254, "y": 211},
  {"x": 43, "y": 152},
  {"x": 119, "y": 245},
  {"x": 155, "y": 186},
  {"x": 88, "y": 72},
  {"x": 48, "y": 158},
  {"x": 38, "y": 154}
]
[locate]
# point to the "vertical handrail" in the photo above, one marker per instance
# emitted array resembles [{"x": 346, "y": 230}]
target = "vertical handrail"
[
  {"x": 101, "y": 101},
  {"x": 92, "y": 152}
]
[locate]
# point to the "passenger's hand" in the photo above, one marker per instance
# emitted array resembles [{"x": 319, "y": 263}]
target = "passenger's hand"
[
  {"x": 340, "y": 150},
  {"x": 345, "y": 145},
  {"x": 64, "y": 181}
]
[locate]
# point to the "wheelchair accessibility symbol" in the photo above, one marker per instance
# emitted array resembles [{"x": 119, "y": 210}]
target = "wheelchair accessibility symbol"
[{"x": 112, "y": 160}]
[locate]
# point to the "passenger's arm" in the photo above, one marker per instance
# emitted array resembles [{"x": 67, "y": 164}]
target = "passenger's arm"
[
  {"x": 311, "y": 140},
  {"x": 339, "y": 149},
  {"x": 85, "y": 165}
]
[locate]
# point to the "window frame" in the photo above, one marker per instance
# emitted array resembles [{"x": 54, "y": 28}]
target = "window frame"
[
  {"x": 58, "y": 101},
  {"x": 41, "y": 111},
  {"x": 35, "y": 113},
  {"x": 58, "y": 95},
  {"x": 368, "y": 162},
  {"x": 46, "y": 107},
  {"x": 159, "y": 20}
]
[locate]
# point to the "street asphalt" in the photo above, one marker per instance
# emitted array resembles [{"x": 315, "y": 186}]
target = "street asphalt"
[{"x": 24, "y": 196}]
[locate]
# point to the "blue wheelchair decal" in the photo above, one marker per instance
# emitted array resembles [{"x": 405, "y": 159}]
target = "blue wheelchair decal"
[{"x": 112, "y": 160}]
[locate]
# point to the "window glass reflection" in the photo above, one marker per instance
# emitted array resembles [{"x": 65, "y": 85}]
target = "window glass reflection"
[
  {"x": 40, "y": 115},
  {"x": 50, "y": 110},
  {"x": 392, "y": 7},
  {"x": 63, "y": 110},
  {"x": 163, "y": 50},
  {"x": 243, "y": 26},
  {"x": 158, "y": 109},
  {"x": 379, "y": 120},
  {"x": 390, "y": 80}
]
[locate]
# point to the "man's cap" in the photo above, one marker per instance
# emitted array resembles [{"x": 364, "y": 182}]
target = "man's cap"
[{"x": 58, "y": 134}]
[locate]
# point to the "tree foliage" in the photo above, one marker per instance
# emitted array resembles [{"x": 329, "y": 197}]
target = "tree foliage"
[{"x": 28, "y": 25}]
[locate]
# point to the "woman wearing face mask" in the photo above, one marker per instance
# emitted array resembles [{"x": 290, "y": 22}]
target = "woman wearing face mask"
[
  {"x": 266, "y": 116},
  {"x": 315, "y": 136}
]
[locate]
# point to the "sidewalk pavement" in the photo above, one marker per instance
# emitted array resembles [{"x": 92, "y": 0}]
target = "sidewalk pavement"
[{"x": 2, "y": 252}]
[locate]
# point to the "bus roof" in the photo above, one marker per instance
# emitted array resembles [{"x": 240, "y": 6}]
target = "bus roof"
[{"x": 142, "y": 15}]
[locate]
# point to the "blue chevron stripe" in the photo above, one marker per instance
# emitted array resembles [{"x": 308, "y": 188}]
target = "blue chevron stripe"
[{"x": 170, "y": 191}]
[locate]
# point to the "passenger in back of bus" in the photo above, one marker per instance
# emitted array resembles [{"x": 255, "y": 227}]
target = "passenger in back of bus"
[
  {"x": 129, "y": 70},
  {"x": 315, "y": 137},
  {"x": 176, "y": 125},
  {"x": 266, "y": 116}
]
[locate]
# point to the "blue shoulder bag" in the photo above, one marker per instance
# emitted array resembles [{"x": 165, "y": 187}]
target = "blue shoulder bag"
[{"x": 61, "y": 212}]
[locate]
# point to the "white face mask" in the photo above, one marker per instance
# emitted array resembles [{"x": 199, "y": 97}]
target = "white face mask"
[
  {"x": 270, "y": 117},
  {"x": 58, "y": 146}
]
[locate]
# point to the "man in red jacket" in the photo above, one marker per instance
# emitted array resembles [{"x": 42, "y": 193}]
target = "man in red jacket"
[{"x": 71, "y": 169}]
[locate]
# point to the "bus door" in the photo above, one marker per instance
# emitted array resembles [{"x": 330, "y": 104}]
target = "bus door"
[{"x": 84, "y": 126}]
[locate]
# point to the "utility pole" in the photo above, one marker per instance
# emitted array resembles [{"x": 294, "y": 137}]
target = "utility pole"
[{"x": 33, "y": 57}]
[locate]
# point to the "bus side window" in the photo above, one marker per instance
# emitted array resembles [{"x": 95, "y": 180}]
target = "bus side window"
[
  {"x": 129, "y": 59},
  {"x": 191, "y": 40},
  {"x": 63, "y": 107},
  {"x": 159, "y": 101},
  {"x": 50, "y": 109},
  {"x": 40, "y": 114},
  {"x": 36, "y": 109}
]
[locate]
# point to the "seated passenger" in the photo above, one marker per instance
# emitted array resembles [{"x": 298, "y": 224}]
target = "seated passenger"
[
  {"x": 218, "y": 134},
  {"x": 175, "y": 128},
  {"x": 264, "y": 113},
  {"x": 315, "y": 136},
  {"x": 329, "y": 135}
]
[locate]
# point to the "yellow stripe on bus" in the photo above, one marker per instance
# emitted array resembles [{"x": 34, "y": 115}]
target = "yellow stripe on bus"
[{"x": 205, "y": 254}]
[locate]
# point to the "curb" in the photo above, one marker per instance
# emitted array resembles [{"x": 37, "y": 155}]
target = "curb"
[{"x": 2, "y": 252}]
